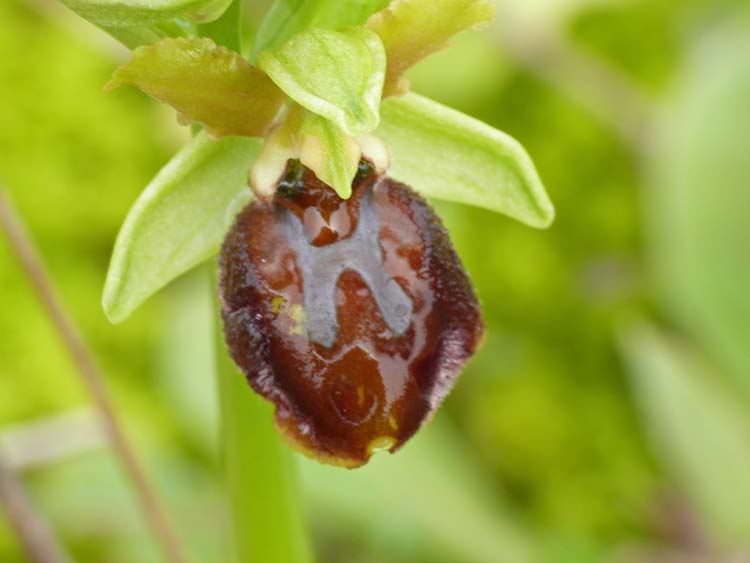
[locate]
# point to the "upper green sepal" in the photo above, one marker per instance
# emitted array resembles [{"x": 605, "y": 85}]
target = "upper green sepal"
[
  {"x": 445, "y": 154},
  {"x": 132, "y": 13},
  {"x": 337, "y": 74}
]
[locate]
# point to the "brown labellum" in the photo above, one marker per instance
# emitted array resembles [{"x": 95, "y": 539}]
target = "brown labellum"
[{"x": 354, "y": 317}]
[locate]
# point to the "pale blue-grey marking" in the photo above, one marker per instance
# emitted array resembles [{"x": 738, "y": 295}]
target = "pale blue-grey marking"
[{"x": 321, "y": 266}]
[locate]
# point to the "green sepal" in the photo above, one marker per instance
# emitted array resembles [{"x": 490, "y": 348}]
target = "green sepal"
[
  {"x": 445, "y": 154},
  {"x": 179, "y": 220}
]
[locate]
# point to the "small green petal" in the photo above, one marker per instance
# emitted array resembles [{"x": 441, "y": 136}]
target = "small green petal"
[
  {"x": 414, "y": 29},
  {"x": 204, "y": 83}
]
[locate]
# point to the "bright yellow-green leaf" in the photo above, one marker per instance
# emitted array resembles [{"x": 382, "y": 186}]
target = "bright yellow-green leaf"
[
  {"x": 179, "y": 220},
  {"x": 414, "y": 29},
  {"x": 204, "y": 83},
  {"x": 336, "y": 74},
  {"x": 697, "y": 204},
  {"x": 445, "y": 154},
  {"x": 131, "y": 13}
]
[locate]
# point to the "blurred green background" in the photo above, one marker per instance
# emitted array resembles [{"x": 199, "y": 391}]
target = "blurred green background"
[{"x": 607, "y": 417}]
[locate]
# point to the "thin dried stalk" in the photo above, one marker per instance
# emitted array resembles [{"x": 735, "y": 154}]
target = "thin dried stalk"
[
  {"x": 33, "y": 267},
  {"x": 37, "y": 539}
]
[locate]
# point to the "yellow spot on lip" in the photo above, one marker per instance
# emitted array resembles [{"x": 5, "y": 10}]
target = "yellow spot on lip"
[
  {"x": 276, "y": 304},
  {"x": 393, "y": 423},
  {"x": 360, "y": 395},
  {"x": 380, "y": 444}
]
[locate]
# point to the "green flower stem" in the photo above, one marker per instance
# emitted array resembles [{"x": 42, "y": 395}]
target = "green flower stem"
[{"x": 268, "y": 523}]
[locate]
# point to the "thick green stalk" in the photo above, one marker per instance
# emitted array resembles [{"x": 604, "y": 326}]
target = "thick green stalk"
[{"x": 268, "y": 524}]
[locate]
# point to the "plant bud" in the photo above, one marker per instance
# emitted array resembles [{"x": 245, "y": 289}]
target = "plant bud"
[{"x": 354, "y": 317}]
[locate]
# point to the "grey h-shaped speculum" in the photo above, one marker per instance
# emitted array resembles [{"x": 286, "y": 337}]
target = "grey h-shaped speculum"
[{"x": 321, "y": 267}]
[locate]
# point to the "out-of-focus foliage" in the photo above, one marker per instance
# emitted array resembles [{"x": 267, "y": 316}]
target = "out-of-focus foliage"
[
  {"x": 698, "y": 203},
  {"x": 545, "y": 416},
  {"x": 700, "y": 429}
]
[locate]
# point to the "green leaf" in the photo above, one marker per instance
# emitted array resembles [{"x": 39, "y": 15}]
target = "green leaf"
[
  {"x": 130, "y": 13},
  {"x": 336, "y": 74},
  {"x": 205, "y": 83},
  {"x": 330, "y": 153},
  {"x": 445, "y": 154},
  {"x": 414, "y": 29},
  {"x": 287, "y": 18},
  {"x": 697, "y": 203},
  {"x": 179, "y": 220},
  {"x": 699, "y": 429}
]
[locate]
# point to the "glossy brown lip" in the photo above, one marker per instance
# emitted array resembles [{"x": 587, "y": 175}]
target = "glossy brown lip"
[{"x": 355, "y": 329}]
